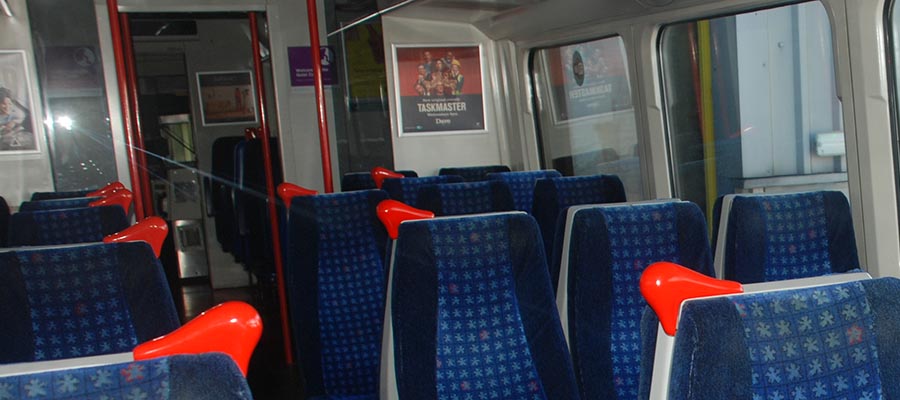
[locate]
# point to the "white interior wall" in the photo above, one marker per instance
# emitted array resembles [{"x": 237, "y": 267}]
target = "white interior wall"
[{"x": 427, "y": 153}]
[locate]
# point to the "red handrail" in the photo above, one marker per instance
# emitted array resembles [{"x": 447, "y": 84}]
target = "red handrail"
[
  {"x": 138, "y": 139},
  {"x": 121, "y": 79},
  {"x": 324, "y": 146},
  {"x": 270, "y": 189}
]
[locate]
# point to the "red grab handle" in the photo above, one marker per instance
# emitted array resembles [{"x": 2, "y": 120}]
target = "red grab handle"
[
  {"x": 392, "y": 213},
  {"x": 287, "y": 191},
  {"x": 107, "y": 190},
  {"x": 379, "y": 174},
  {"x": 152, "y": 230},
  {"x": 233, "y": 328},
  {"x": 121, "y": 198},
  {"x": 666, "y": 285}
]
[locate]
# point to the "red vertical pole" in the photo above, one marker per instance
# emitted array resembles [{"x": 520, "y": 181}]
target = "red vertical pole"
[
  {"x": 313, "y": 15},
  {"x": 138, "y": 140},
  {"x": 121, "y": 74},
  {"x": 270, "y": 188}
]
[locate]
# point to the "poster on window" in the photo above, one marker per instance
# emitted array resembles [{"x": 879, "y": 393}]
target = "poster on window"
[
  {"x": 440, "y": 89},
  {"x": 17, "y": 127},
  {"x": 226, "y": 97},
  {"x": 588, "y": 80}
]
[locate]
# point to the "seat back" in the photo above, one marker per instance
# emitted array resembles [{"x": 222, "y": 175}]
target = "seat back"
[
  {"x": 466, "y": 198},
  {"x": 812, "y": 341},
  {"x": 773, "y": 237},
  {"x": 76, "y": 301},
  {"x": 521, "y": 184},
  {"x": 552, "y": 196},
  {"x": 352, "y": 181},
  {"x": 222, "y": 187},
  {"x": 37, "y": 196},
  {"x": 472, "y": 313},
  {"x": 56, "y": 204},
  {"x": 256, "y": 233},
  {"x": 4, "y": 222},
  {"x": 335, "y": 279},
  {"x": 474, "y": 173},
  {"x": 406, "y": 190},
  {"x": 200, "y": 376},
  {"x": 67, "y": 226}
]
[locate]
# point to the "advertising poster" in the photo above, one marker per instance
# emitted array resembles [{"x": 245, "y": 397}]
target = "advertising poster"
[
  {"x": 17, "y": 128},
  {"x": 440, "y": 89},
  {"x": 226, "y": 97},
  {"x": 588, "y": 80}
]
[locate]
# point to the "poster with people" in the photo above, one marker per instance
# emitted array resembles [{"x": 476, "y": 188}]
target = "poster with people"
[
  {"x": 440, "y": 89},
  {"x": 17, "y": 128},
  {"x": 588, "y": 80},
  {"x": 227, "y": 97}
]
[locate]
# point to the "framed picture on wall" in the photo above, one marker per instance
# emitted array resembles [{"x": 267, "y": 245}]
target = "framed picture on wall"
[
  {"x": 440, "y": 89},
  {"x": 17, "y": 126},
  {"x": 226, "y": 97}
]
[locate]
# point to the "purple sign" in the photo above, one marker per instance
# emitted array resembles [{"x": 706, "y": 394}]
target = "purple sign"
[{"x": 300, "y": 61}]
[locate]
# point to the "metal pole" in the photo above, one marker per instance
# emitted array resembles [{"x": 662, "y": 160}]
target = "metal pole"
[
  {"x": 121, "y": 75},
  {"x": 138, "y": 140},
  {"x": 325, "y": 148},
  {"x": 270, "y": 189}
]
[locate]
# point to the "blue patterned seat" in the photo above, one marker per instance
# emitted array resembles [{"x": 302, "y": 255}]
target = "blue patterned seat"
[
  {"x": 600, "y": 304},
  {"x": 352, "y": 181},
  {"x": 56, "y": 204},
  {"x": 820, "y": 342},
  {"x": 472, "y": 313},
  {"x": 466, "y": 198},
  {"x": 786, "y": 236},
  {"x": 68, "y": 226},
  {"x": 76, "y": 301},
  {"x": 406, "y": 190},
  {"x": 521, "y": 184},
  {"x": 475, "y": 173},
  {"x": 553, "y": 196},
  {"x": 36, "y": 196},
  {"x": 211, "y": 376},
  {"x": 335, "y": 279}
]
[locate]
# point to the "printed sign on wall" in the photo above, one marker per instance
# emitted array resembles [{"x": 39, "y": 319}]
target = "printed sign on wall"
[
  {"x": 440, "y": 89},
  {"x": 226, "y": 97},
  {"x": 300, "y": 61}
]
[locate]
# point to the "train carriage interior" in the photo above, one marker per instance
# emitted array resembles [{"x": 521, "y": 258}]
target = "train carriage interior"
[{"x": 449, "y": 199}]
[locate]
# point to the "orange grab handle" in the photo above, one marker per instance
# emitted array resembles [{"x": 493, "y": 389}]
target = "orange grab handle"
[
  {"x": 379, "y": 174},
  {"x": 152, "y": 230},
  {"x": 666, "y": 285},
  {"x": 392, "y": 213},
  {"x": 233, "y": 328}
]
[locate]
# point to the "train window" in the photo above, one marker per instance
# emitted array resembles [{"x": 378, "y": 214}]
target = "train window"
[
  {"x": 67, "y": 53},
  {"x": 751, "y": 104},
  {"x": 587, "y": 121}
]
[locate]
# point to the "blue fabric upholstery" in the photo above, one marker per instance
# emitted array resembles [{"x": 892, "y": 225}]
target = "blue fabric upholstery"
[
  {"x": 78, "y": 301},
  {"x": 777, "y": 237},
  {"x": 521, "y": 184},
  {"x": 553, "y": 196},
  {"x": 353, "y": 181},
  {"x": 473, "y": 174},
  {"x": 253, "y": 215},
  {"x": 222, "y": 186},
  {"x": 609, "y": 249},
  {"x": 335, "y": 278},
  {"x": 68, "y": 226},
  {"x": 826, "y": 342},
  {"x": 466, "y": 198},
  {"x": 57, "y": 204},
  {"x": 36, "y": 196},
  {"x": 473, "y": 313},
  {"x": 4, "y": 222},
  {"x": 212, "y": 376},
  {"x": 406, "y": 190}
]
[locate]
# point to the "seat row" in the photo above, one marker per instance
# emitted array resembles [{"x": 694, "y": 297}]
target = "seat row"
[
  {"x": 465, "y": 299},
  {"x": 97, "y": 318}
]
